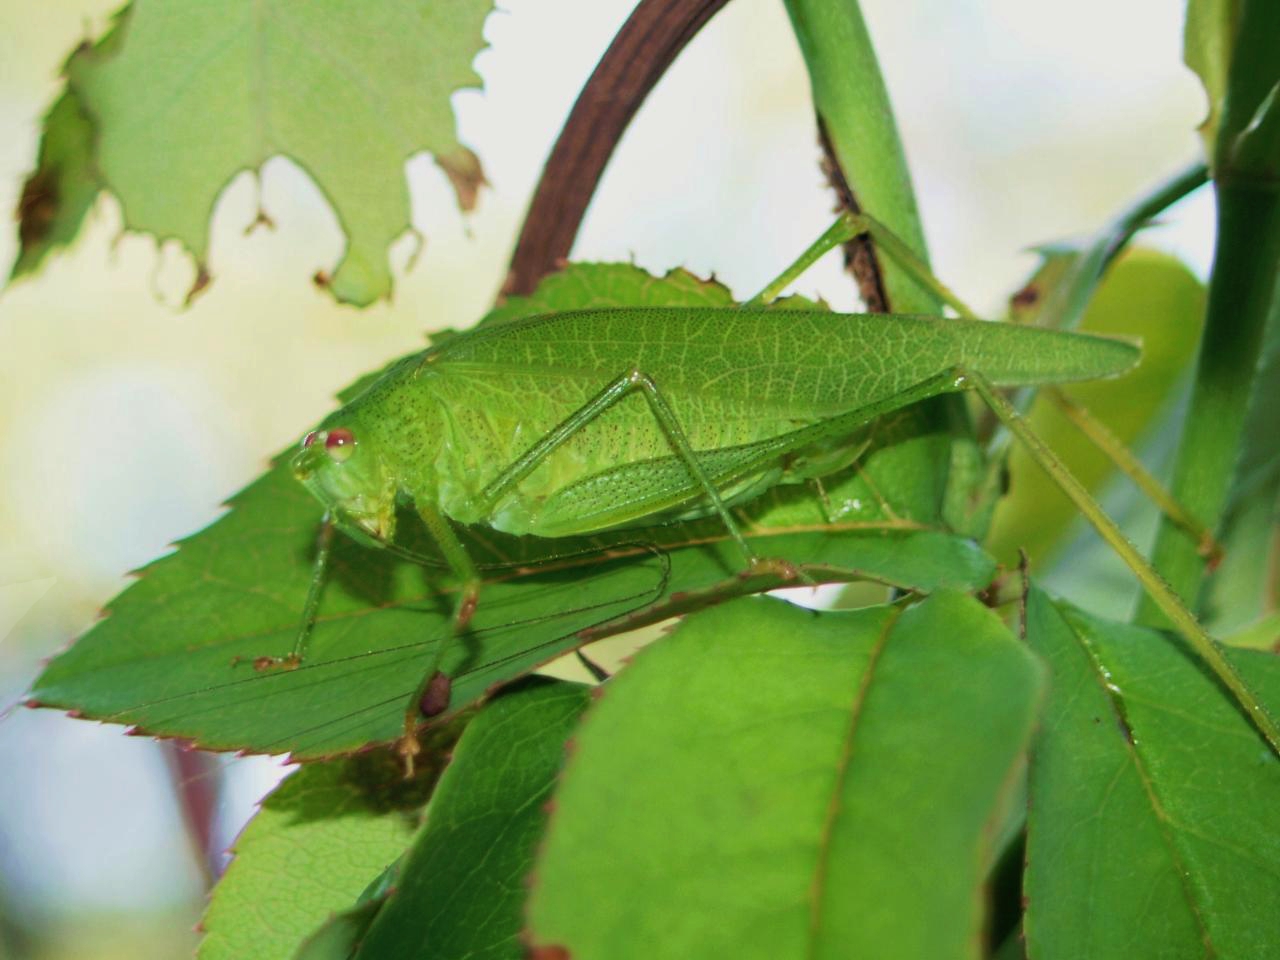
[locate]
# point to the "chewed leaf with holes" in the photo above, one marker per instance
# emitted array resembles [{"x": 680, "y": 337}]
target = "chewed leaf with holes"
[
  {"x": 825, "y": 777},
  {"x": 60, "y": 191},
  {"x": 193, "y": 93},
  {"x": 1154, "y": 824},
  {"x": 162, "y": 659}
]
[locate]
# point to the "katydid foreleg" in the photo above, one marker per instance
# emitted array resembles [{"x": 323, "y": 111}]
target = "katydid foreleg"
[
  {"x": 319, "y": 573},
  {"x": 431, "y": 697}
]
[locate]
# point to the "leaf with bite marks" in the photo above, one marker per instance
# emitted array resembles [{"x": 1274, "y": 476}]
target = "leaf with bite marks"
[{"x": 192, "y": 94}]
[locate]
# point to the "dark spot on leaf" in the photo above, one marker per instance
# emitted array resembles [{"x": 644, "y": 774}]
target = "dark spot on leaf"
[
  {"x": 37, "y": 206},
  {"x": 321, "y": 279}
]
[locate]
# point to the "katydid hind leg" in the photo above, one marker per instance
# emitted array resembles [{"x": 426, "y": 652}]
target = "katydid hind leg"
[
  {"x": 1155, "y": 586},
  {"x": 1100, "y": 435},
  {"x": 594, "y": 408}
]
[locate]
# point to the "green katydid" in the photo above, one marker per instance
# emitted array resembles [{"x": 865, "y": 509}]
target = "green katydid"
[{"x": 573, "y": 423}]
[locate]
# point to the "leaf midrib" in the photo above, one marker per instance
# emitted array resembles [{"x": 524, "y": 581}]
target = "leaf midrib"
[
  {"x": 817, "y": 886},
  {"x": 1164, "y": 824}
]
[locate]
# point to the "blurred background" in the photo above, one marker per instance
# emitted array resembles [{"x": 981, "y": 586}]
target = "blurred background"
[{"x": 126, "y": 421}]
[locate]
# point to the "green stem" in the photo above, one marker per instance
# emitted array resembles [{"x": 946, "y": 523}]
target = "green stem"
[
  {"x": 855, "y": 118},
  {"x": 1242, "y": 293},
  {"x": 1165, "y": 599},
  {"x": 1245, "y": 266},
  {"x": 901, "y": 253}
]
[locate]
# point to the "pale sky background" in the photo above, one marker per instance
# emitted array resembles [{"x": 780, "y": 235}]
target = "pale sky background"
[{"x": 125, "y": 421}]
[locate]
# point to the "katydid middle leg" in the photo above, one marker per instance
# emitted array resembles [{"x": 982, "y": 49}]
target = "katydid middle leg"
[{"x": 431, "y": 697}]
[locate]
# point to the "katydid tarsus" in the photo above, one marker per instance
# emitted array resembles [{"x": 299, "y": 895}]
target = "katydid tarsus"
[{"x": 572, "y": 423}]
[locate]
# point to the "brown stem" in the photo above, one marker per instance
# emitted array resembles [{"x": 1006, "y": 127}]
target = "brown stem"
[
  {"x": 859, "y": 253},
  {"x": 640, "y": 54}
]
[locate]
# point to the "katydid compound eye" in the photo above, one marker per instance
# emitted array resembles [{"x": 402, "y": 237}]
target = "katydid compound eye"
[{"x": 340, "y": 444}]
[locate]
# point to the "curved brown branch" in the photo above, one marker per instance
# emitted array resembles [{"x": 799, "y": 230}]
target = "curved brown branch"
[{"x": 640, "y": 54}]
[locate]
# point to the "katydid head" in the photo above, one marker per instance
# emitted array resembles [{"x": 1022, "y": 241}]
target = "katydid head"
[{"x": 348, "y": 476}]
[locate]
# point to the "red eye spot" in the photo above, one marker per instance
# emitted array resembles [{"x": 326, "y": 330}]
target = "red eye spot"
[
  {"x": 340, "y": 444},
  {"x": 309, "y": 439},
  {"x": 340, "y": 437}
]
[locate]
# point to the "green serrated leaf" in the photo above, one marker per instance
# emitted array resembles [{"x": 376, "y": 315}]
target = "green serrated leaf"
[
  {"x": 319, "y": 839},
  {"x": 589, "y": 285},
  {"x": 1154, "y": 825},
  {"x": 163, "y": 658},
  {"x": 781, "y": 783},
  {"x": 197, "y": 93},
  {"x": 461, "y": 890}
]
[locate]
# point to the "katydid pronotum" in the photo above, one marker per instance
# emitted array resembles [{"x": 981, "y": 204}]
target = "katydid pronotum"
[{"x": 568, "y": 424}]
